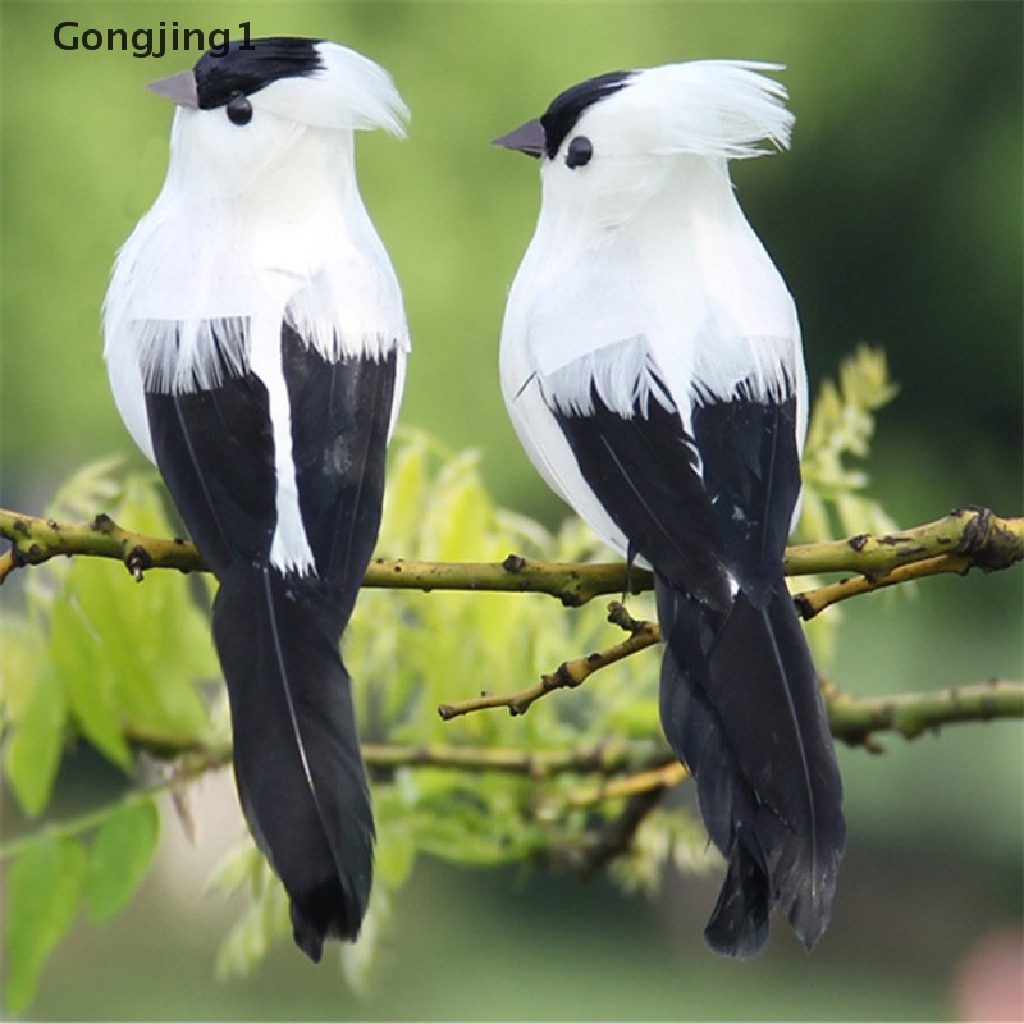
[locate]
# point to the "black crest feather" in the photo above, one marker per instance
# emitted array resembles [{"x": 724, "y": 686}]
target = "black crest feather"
[
  {"x": 249, "y": 69},
  {"x": 566, "y": 108}
]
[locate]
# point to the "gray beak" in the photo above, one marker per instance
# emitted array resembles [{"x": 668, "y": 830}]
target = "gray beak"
[
  {"x": 530, "y": 139},
  {"x": 179, "y": 89}
]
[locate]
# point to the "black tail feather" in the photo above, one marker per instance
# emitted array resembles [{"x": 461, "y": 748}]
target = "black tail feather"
[
  {"x": 298, "y": 765},
  {"x": 739, "y": 923},
  {"x": 741, "y": 708}
]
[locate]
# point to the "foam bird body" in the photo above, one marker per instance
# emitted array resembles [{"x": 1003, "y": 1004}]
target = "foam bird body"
[
  {"x": 256, "y": 345},
  {"x": 652, "y": 367}
]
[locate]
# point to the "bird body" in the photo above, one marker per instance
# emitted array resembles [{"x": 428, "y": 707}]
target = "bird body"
[
  {"x": 256, "y": 345},
  {"x": 652, "y": 368}
]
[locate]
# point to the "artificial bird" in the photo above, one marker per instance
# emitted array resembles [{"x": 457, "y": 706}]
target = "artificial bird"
[
  {"x": 652, "y": 367},
  {"x": 256, "y": 341}
]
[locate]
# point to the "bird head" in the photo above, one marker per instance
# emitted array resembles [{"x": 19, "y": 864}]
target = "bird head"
[
  {"x": 612, "y": 142},
  {"x": 242, "y": 113}
]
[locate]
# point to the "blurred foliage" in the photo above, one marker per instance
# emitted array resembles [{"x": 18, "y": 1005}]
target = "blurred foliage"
[
  {"x": 896, "y": 220},
  {"x": 126, "y": 669},
  {"x": 841, "y": 426},
  {"x": 80, "y": 673}
]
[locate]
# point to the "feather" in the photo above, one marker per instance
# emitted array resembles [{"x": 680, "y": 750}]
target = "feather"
[
  {"x": 298, "y": 768},
  {"x": 623, "y": 375},
  {"x": 346, "y": 92},
  {"x": 741, "y": 708},
  {"x": 713, "y": 108},
  {"x": 739, "y": 698}
]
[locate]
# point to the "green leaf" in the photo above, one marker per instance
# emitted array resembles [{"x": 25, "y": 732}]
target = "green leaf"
[
  {"x": 87, "y": 491},
  {"x": 121, "y": 855},
  {"x": 129, "y": 655},
  {"x": 395, "y": 852},
  {"x": 359, "y": 957},
  {"x": 403, "y": 503},
  {"x": 239, "y": 866},
  {"x": 841, "y": 428},
  {"x": 264, "y": 920},
  {"x": 156, "y": 642},
  {"x": 244, "y": 946},
  {"x": 83, "y": 666},
  {"x": 33, "y": 754},
  {"x": 20, "y": 641},
  {"x": 43, "y": 891}
]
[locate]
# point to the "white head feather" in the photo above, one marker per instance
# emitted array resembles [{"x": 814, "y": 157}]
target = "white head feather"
[
  {"x": 260, "y": 222},
  {"x": 709, "y": 108},
  {"x": 350, "y": 92},
  {"x": 661, "y": 126}
]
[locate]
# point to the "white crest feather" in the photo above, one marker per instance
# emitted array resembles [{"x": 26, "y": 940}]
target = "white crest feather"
[
  {"x": 709, "y": 108},
  {"x": 359, "y": 94}
]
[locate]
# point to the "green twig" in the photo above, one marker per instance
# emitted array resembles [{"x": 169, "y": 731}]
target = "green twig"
[
  {"x": 569, "y": 674},
  {"x": 34, "y": 541},
  {"x": 964, "y": 539},
  {"x": 857, "y": 720},
  {"x": 194, "y": 758}
]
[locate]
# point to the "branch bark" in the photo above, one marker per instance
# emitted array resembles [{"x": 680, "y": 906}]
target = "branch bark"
[
  {"x": 34, "y": 541},
  {"x": 569, "y": 674},
  {"x": 856, "y": 721},
  {"x": 964, "y": 539}
]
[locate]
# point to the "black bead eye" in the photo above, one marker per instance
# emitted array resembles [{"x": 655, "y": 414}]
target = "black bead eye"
[
  {"x": 239, "y": 109},
  {"x": 579, "y": 153}
]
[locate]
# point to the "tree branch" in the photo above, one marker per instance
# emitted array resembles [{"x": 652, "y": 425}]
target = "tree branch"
[
  {"x": 856, "y": 720},
  {"x": 640, "y": 772},
  {"x": 569, "y": 674},
  {"x": 34, "y": 541},
  {"x": 964, "y": 539},
  {"x": 983, "y": 539},
  {"x": 616, "y": 838},
  {"x": 608, "y": 758},
  {"x": 853, "y": 720}
]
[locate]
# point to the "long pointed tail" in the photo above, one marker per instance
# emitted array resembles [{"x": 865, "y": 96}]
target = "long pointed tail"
[
  {"x": 741, "y": 707},
  {"x": 298, "y": 766}
]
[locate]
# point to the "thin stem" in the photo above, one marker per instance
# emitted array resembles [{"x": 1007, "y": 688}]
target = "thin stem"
[{"x": 568, "y": 675}]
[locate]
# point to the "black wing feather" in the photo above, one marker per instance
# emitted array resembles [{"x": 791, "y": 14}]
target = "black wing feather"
[
  {"x": 340, "y": 418},
  {"x": 643, "y": 469},
  {"x": 298, "y": 766},
  {"x": 710, "y": 511},
  {"x": 215, "y": 451},
  {"x": 751, "y": 477}
]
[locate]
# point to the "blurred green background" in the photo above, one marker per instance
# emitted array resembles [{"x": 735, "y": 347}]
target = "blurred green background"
[{"x": 896, "y": 219}]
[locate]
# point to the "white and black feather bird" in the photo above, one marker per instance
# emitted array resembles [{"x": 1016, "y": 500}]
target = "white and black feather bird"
[
  {"x": 652, "y": 367},
  {"x": 256, "y": 344}
]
